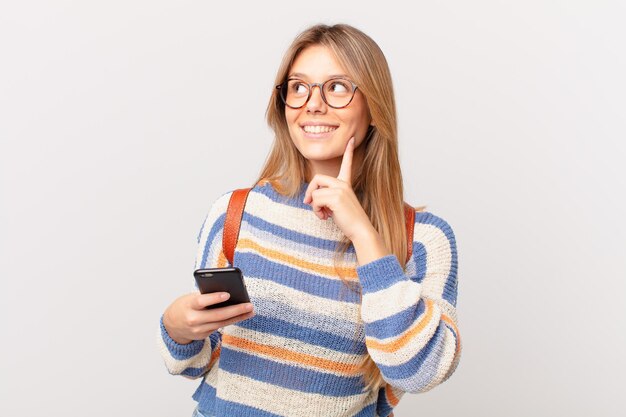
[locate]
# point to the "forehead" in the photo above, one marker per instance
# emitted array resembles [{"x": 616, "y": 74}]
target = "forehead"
[{"x": 316, "y": 62}]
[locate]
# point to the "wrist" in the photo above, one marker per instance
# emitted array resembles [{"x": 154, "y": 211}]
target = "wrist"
[
  {"x": 369, "y": 245},
  {"x": 364, "y": 234},
  {"x": 172, "y": 334},
  {"x": 180, "y": 340}
]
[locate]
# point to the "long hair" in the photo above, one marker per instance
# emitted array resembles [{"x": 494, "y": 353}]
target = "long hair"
[{"x": 378, "y": 184}]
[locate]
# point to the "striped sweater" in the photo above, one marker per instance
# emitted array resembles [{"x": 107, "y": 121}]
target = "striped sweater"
[{"x": 298, "y": 355}]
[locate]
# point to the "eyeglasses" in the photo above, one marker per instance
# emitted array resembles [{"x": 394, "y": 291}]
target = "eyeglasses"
[{"x": 336, "y": 92}]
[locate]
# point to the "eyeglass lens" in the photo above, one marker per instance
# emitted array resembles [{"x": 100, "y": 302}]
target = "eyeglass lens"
[{"x": 336, "y": 92}]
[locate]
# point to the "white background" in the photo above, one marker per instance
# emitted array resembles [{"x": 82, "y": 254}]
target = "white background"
[{"x": 121, "y": 122}]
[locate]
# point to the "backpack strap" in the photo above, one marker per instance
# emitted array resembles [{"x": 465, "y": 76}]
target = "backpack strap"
[
  {"x": 409, "y": 217},
  {"x": 232, "y": 223},
  {"x": 234, "y": 213}
]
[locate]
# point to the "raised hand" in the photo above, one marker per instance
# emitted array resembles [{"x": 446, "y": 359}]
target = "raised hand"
[{"x": 334, "y": 197}]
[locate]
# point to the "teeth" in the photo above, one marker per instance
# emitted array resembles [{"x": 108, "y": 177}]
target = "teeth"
[{"x": 318, "y": 129}]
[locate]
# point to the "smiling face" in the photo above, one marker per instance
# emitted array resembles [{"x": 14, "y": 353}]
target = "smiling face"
[{"x": 319, "y": 131}]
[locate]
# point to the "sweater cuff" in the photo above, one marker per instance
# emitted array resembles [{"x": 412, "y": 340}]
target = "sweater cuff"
[
  {"x": 380, "y": 274},
  {"x": 178, "y": 351}
]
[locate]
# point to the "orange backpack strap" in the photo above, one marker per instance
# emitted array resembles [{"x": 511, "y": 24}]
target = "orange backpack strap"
[
  {"x": 234, "y": 213},
  {"x": 409, "y": 216}
]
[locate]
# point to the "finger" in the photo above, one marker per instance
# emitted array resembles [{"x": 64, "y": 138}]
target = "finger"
[
  {"x": 236, "y": 319},
  {"x": 321, "y": 200},
  {"x": 317, "y": 182},
  {"x": 225, "y": 313},
  {"x": 205, "y": 300},
  {"x": 209, "y": 328},
  {"x": 345, "y": 172}
]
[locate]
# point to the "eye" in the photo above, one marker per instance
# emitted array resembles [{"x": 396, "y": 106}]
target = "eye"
[
  {"x": 339, "y": 86},
  {"x": 298, "y": 87}
]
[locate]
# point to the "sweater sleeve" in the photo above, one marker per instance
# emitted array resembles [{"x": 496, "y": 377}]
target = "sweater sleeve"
[
  {"x": 409, "y": 317},
  {"x": 195, "y": 359}
]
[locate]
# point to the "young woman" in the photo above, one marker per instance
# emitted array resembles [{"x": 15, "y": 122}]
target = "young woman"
[{"x": 339, "y": 324}]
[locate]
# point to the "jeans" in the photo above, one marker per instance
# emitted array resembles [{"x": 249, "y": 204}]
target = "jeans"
[{"x": 198, "y": 413}]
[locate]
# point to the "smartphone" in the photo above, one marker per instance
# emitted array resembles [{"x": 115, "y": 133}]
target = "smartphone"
[{"x": 228, "y": 280}]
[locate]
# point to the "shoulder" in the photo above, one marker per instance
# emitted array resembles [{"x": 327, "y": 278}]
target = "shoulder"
[
  {"x": 220, "y": 204},
  {"x": 433, "y": 230},
  {"x": 214, "y": 218},
  {"x": 435, "y": 256}
]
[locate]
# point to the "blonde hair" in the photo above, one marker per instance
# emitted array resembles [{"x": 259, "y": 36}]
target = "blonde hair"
[{"x": 378, "y": 184}]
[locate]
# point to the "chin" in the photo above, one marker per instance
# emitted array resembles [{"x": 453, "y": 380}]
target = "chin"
[
  {"x": 317, "y": 157},
  {"x": 320, "y": 154}
]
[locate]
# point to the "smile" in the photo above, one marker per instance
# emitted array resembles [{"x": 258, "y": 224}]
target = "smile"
[{"x": 318, "y": 129}]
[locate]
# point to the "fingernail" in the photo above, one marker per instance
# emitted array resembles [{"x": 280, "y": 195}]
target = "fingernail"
[
  {"x": 225, "y": 296},
  {"x": 249, "y": 307}
]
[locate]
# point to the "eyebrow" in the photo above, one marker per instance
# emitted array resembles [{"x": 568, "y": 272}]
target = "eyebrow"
[{"x": 299, "y": 74}]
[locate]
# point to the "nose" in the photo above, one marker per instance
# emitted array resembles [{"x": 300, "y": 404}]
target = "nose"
[{"x": 315, "y": 103}]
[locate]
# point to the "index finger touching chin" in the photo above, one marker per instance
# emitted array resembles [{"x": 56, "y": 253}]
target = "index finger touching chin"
[{"x": 345, "y": 172}]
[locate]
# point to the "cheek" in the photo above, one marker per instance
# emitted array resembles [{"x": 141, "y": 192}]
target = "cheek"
[
  {"x": 359, "y": 121},
  {"x": 359, "y": 115},
  {"x": 290, "y": 117}
]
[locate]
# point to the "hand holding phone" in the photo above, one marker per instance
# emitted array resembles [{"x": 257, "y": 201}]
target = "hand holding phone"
[
  {"x": 228, "y": 280},
  {"x": 195, "y": 316}
]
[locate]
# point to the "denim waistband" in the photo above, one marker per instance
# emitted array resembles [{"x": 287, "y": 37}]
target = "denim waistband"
[{"x": 200, "y": 413}]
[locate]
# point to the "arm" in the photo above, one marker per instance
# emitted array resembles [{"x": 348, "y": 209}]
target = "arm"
[
  {"x": 196, "y": 358},
  {"x": 191, "y": 360},
  {"x": 410, "y": 318}
]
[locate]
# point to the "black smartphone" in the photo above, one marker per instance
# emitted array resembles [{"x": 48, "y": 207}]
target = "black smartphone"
[{"x": 228, "y": 280}]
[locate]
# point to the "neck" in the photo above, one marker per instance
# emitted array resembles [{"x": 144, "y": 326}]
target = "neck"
[{"x": 331, "y": 167}]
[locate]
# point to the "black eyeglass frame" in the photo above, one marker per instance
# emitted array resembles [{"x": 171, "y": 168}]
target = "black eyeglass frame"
[{"x": 280, "y": 88}]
